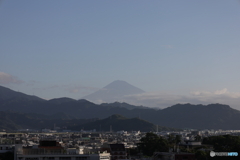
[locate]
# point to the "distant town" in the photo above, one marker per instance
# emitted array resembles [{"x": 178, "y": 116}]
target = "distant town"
[{"x": 91, "y": 145}]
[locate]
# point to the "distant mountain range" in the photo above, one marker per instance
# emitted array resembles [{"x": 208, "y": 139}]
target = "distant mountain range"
[
  {"x": 13, "y": 121},
  {"x": 213, "y": 116}
]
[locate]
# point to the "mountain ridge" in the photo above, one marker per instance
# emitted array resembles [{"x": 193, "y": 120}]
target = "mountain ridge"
[
  {"x": 123, "y": 105},
  {"x": 6, "y": 93},
  {"x": 212, "y": 116}
]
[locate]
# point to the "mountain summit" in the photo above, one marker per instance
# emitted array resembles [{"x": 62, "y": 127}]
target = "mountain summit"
[
  {"x": 115, "y": 91},
  {"x": 123, "y": 87}
]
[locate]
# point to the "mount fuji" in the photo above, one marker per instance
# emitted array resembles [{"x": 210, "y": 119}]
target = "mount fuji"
[{"x": 116, "y": 91}]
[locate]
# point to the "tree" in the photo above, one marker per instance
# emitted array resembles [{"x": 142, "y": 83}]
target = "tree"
[
  {"x": 202, "y": 155},
  {"x": 225, "y": 143},
  {"x": 198, "y": 138},
  {"x": 152, "y": 143},
  {"x": 173, "y": 140},
  {"x": 178, "y": 139}
]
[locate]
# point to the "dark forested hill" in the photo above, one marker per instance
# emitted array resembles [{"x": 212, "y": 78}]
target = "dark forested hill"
[
  {"x": 117, "y": 122},
  {"x": 213, "y": 116}
]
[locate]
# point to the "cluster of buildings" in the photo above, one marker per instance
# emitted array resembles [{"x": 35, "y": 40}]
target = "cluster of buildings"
[
  {"x": 68, "y": 146},
  {"x": 96, "y": 146}
]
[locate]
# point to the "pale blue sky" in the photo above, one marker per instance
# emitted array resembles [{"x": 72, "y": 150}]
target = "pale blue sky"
[{"x": 71, "y": 48}]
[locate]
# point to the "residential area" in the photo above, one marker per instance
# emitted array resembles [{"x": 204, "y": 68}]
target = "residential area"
[{"x": 86, "y": 145}]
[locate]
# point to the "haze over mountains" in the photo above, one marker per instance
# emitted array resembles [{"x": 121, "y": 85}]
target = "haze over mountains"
[
  {"x": 213, "y": 116},
  {"x": 115, "y": 91},
  {"x": 121, "y": 91}
]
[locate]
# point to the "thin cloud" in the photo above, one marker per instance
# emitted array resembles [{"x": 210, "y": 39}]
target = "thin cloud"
[
  {"x": 32, "y": 83},
  {"x": 82, "y": 89},
  {"x": 218, "y": 93},
  {"x": 167, "y": 46},
  {"x": 73, "y": 89},
  {"x": 9, "y": 79},
  {"x": 154, "y": 95},
  {"x": 52, "y": 87}
]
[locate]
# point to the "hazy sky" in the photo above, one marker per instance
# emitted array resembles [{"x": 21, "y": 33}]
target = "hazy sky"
[{"x": 71, "y": 48}]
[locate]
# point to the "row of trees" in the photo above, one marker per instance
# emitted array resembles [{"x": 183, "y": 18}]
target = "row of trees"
[
  {"x": 225, "y": 143},
  {"x": 152, "y": 143}
]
